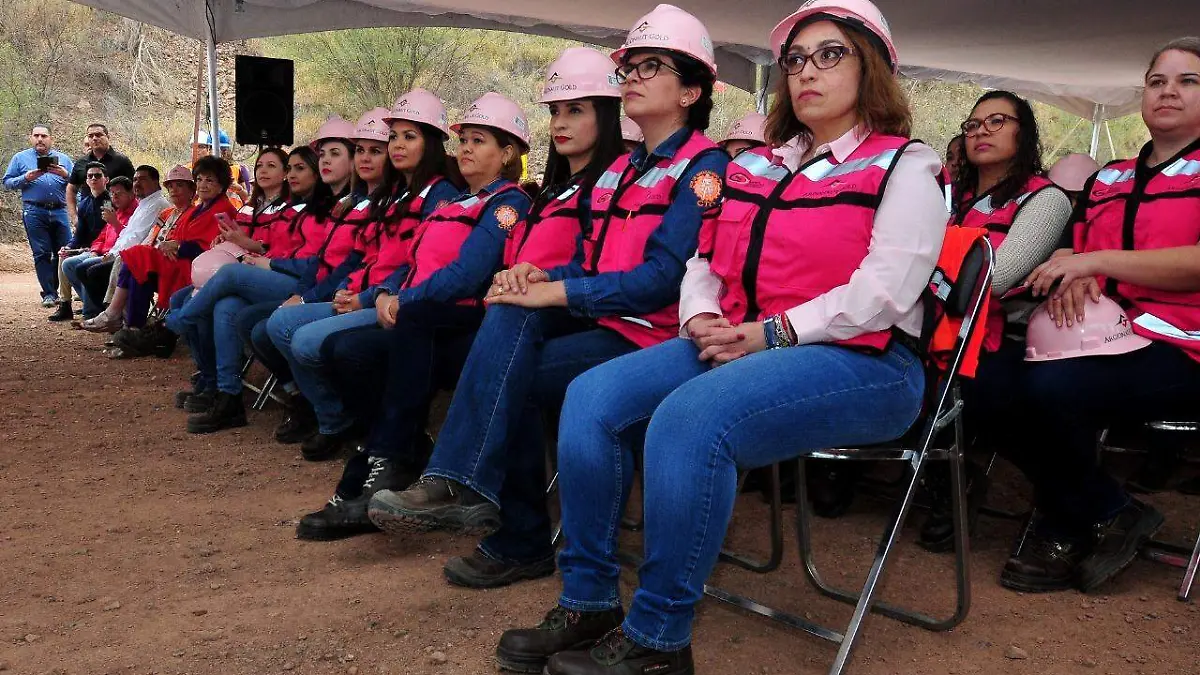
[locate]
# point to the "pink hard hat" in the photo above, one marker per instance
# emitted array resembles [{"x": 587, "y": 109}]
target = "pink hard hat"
[
  {"x": 1073, "y": 170},
  {"x": 371, "y": 126},
  {"x": 751, "y": 127},
  {"x": 498, "y": 112},
  {"x": 630, "y": 131},
  {"x": 334, "y": 127},
  {"x": 180, "y": 172},
  {"x": 668, "y": 27},
  {"x": 1104, "y": 331},
  {"x": 860, "y": 14},
  {"x": 206, "y": 264},
  {"x": 580, "y": 72},
  {"x": 423, "y": 107}
]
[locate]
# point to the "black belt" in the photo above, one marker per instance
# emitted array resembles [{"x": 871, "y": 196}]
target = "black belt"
[{"x": 49, "y": 206}]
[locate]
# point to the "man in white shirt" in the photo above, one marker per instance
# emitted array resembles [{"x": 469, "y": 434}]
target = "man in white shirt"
[{"x": 147, "y": 188}]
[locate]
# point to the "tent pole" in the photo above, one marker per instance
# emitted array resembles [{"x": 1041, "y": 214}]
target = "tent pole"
[
  {"x": 762, "y": 76},
  {"x": 1097, "y": 120},
  {"x": 214, "y": 127}
]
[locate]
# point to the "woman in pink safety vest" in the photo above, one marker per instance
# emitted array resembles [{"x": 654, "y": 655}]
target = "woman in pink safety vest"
[
  {"x": 800, "y": 317},
  {"x": 745, "y": 134},
  {"x": 1136, "y": 231}
]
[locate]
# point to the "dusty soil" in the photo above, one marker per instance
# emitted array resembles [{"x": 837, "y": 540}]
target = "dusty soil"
[{"x": 128, "y": 546}]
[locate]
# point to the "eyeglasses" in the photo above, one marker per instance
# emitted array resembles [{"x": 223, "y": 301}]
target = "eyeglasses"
[
  {"x": 95, "y": 176},
  {"x": 645, "y": 70},
  {"x": 992, "y": 123},
  {"x": 824, "y": 58}
]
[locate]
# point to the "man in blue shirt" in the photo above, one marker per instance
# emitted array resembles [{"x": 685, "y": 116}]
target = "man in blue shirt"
[{"x": 41, "y": 174}]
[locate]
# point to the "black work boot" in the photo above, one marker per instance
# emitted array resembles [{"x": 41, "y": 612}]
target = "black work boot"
[
  {"x": 434, "y": 503},
  {"x": 937, "y": 532},
  {"x": 831, "y": 486},
  {"x": 320, "y": 447},
  {"x": 299, "y": 423},
  {"x": 64, "y": 313},
  {"x": 526, "y": 650},
  {"x": 479, "y": 571},
  {"x": 616, "y": 654},
  {"x": 1116, "y": 543},
  {"x": 1045, "y": 563},
  {"x": 181, "y": 397},
  {"x": 227, "y": 412},
  {"x": 340, "y": 518}
]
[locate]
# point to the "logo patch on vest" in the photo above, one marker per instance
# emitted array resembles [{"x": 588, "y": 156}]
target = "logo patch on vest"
[
  {"x": 507, "y": 217},
  {"x": 707, "y": 186}
]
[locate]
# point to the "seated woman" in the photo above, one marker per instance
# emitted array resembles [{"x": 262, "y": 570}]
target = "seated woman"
[
  {"x": 433, "y": 313},
  {"x": 410, "y": 159},
  {"x": 1135, "y": 240},
  {"x": 544, "y": 329},
  {"x": 796, "y": 340},
  {"x": 1072, "y": 172},
  {"x": 212, "y": 316},
  {"x": 744, "y": 134}
]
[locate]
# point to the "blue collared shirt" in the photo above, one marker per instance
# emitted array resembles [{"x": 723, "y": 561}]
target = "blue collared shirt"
[
  {"x": 47, "y": 188},
  {"x": 655, "y": 282}
]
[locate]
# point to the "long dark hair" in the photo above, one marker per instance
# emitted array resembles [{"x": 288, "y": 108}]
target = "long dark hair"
[
  {"x": 692, "y": 73},
  {"x": 1024, "y": 165},
  {"x": 381, "y": 198},
  {"x": 433, "y": 164},
  {"x": 607, "y": 149},
  {"x": 320, "y": 202},
  {"x": 256, "y": 194}
]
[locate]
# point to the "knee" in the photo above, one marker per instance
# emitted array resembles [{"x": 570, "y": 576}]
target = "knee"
[
  {"x": 306, "y": 347},
  {"x": 280, "y": 328}
]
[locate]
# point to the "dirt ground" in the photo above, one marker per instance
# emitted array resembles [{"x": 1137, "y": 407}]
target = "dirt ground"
[{"x": 129, "y": 546}]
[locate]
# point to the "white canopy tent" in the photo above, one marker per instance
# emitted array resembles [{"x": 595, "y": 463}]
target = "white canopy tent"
[{"x": 1084, "y": 56}]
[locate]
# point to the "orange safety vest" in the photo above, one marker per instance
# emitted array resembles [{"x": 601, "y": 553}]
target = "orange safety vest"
[{"x": 941, "y": 334}]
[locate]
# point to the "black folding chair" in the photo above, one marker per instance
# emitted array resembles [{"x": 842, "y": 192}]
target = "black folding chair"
[{"x": 963, "y": 301}]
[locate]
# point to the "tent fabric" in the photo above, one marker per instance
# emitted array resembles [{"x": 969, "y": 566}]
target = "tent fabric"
[{"x": 1071, "y": 53}]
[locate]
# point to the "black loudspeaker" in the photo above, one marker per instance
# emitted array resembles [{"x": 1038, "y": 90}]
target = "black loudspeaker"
[{"x": 264, "y": 100}]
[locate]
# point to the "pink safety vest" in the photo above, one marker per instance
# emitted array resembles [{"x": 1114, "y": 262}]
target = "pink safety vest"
[
  {"x": 349, "y": 233},
  {"x": 627, "y": 207},
  {"x": 442, "y": 234},
  {"x": 307, "y": 233},
  {"x": 784, "y": 238},
  {"x": 1129, "y": 208},
  {"x": 980, "y": 212},
  {"x": 268, "y": 227},
  {"x": 390, "y": 243},
  {"x": 547, "y": 238}
]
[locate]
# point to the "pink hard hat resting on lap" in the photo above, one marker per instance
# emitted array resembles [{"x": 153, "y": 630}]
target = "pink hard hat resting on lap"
[
  {"x": 498, "y": 112},
  {"x": 206, "y": 264},
  {"x": 422, "y": 107},
  {"x": 860, "y": 14},
  {"x": 751, "y": 127},
  {"x": 1104, "y": 331},
  {"x": 630, "y": 131},
  {"x": 580, "y": 72},
  {"x": 670, "y": 28},
  {"x": 1072, "y": 171},
  {"x": 372, "y": 127}
]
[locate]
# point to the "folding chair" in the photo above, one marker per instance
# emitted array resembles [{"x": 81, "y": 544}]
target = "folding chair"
[
  {"x": 966, "y": 302},
  {"x": 1164, "y": 552},
  {"x": 265, "y": 392}
]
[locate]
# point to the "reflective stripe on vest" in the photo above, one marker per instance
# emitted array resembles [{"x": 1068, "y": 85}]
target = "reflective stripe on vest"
[
  {"x": 392, "y": 242},
  {"x": 1162, "y": 327}
]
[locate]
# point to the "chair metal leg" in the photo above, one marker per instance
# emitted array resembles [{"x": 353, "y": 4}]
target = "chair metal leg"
[
  {"x": 1185, "y": 589},
  {"x": 265, "y": 393},
  {"x": 551, "y": 489},
  {"x": 776, "y": 524}
]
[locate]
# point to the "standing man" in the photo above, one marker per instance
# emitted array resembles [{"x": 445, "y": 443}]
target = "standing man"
[
  {"x": 41, "y": 174},
  {"x": 115, "y": 164}
]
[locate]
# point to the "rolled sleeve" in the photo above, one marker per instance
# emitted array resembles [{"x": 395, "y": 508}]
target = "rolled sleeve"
[{"x": 699, "y": 294}]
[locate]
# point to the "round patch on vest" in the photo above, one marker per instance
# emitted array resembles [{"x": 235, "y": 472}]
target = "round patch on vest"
[
  {"x": 707, "y": 186},
  {"x": 507, "y": 217}
]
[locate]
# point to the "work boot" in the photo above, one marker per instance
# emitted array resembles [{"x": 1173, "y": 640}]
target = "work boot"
[
  {"x": 616, "y": 654},
  {"x": 299, "y": 423},
  {"x": 434, "y": 503},
  {"x": 227, "y": 412},
  {"x": 64, "y": 313},
  {"x": 200, "y": 402},
  {"x": 1045, "y": 564},
  {"x": 479, "y": 571},
  {"x": 341, "y": 517},
  {"x": 526, "y": 650},
  {"x": 320, "y": 447},
  {"x": 937, "y": 532},
  {"x": 831, "y": 486},
  {"x": 1116, "y": 543}
]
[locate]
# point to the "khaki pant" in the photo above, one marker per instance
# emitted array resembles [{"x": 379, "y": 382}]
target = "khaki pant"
[
  {"x": 112, "y": 280},
  {"x": 64, "y": 286}
]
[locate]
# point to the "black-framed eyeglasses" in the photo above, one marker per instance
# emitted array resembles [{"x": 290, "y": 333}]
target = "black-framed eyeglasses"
[
  {"x": 645, "y": 70},
  {"x": 992, "y": 123},
  {"x": 824, "y": 58},
  {"x": 94, "y": 176}
]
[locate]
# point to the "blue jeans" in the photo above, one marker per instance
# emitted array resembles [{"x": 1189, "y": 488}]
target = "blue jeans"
[
  {"x": 199, "y": 341},
  {"x": 704, "y": 424},
  {"x": 73, "y": 269},
  {"x": 47, "y": 231},
  {"x": 492, "y": 440},
  {"x": 300, "y": 333}
]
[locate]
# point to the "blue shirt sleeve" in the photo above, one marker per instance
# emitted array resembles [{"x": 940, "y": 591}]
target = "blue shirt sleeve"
[
  {"x": 14, "y": 177},
  {"x": 444, "y": 191},
  {"x": 304, "y": 269},
  {"x": 477, "y": 260},
  {"x": 323, "y": 291},
  {"x": 654, "y": 283}
]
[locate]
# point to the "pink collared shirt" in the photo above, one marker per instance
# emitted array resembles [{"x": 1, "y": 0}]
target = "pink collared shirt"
[{"x": 885, "y": 290}]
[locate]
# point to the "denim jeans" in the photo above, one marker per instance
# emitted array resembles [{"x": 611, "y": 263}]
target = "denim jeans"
[
  {"x": 1069, "y": 402},
  {"x": 251, "y": 284},
  {"x": 73, "y": 269},
  {"x": 199, "y": 341},
  {"x": 492, "y": 440},
  {"x": 300, "y": 332},
  {"x": 360, "y": 374},
  {"x": 704, "y": 424},
  {"x": 252, "y": 329},
  {"x": 48, "y": 231}
]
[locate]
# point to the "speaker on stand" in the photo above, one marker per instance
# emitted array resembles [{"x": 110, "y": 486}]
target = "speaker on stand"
[{"x": 264, "y": 100}]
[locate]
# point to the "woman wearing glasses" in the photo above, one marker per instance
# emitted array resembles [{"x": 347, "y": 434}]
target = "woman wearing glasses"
[
  {"x": 1004, "y": 189},
  {"x": 800, "y": 317},
  {"x": 613, "y": 293}
]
